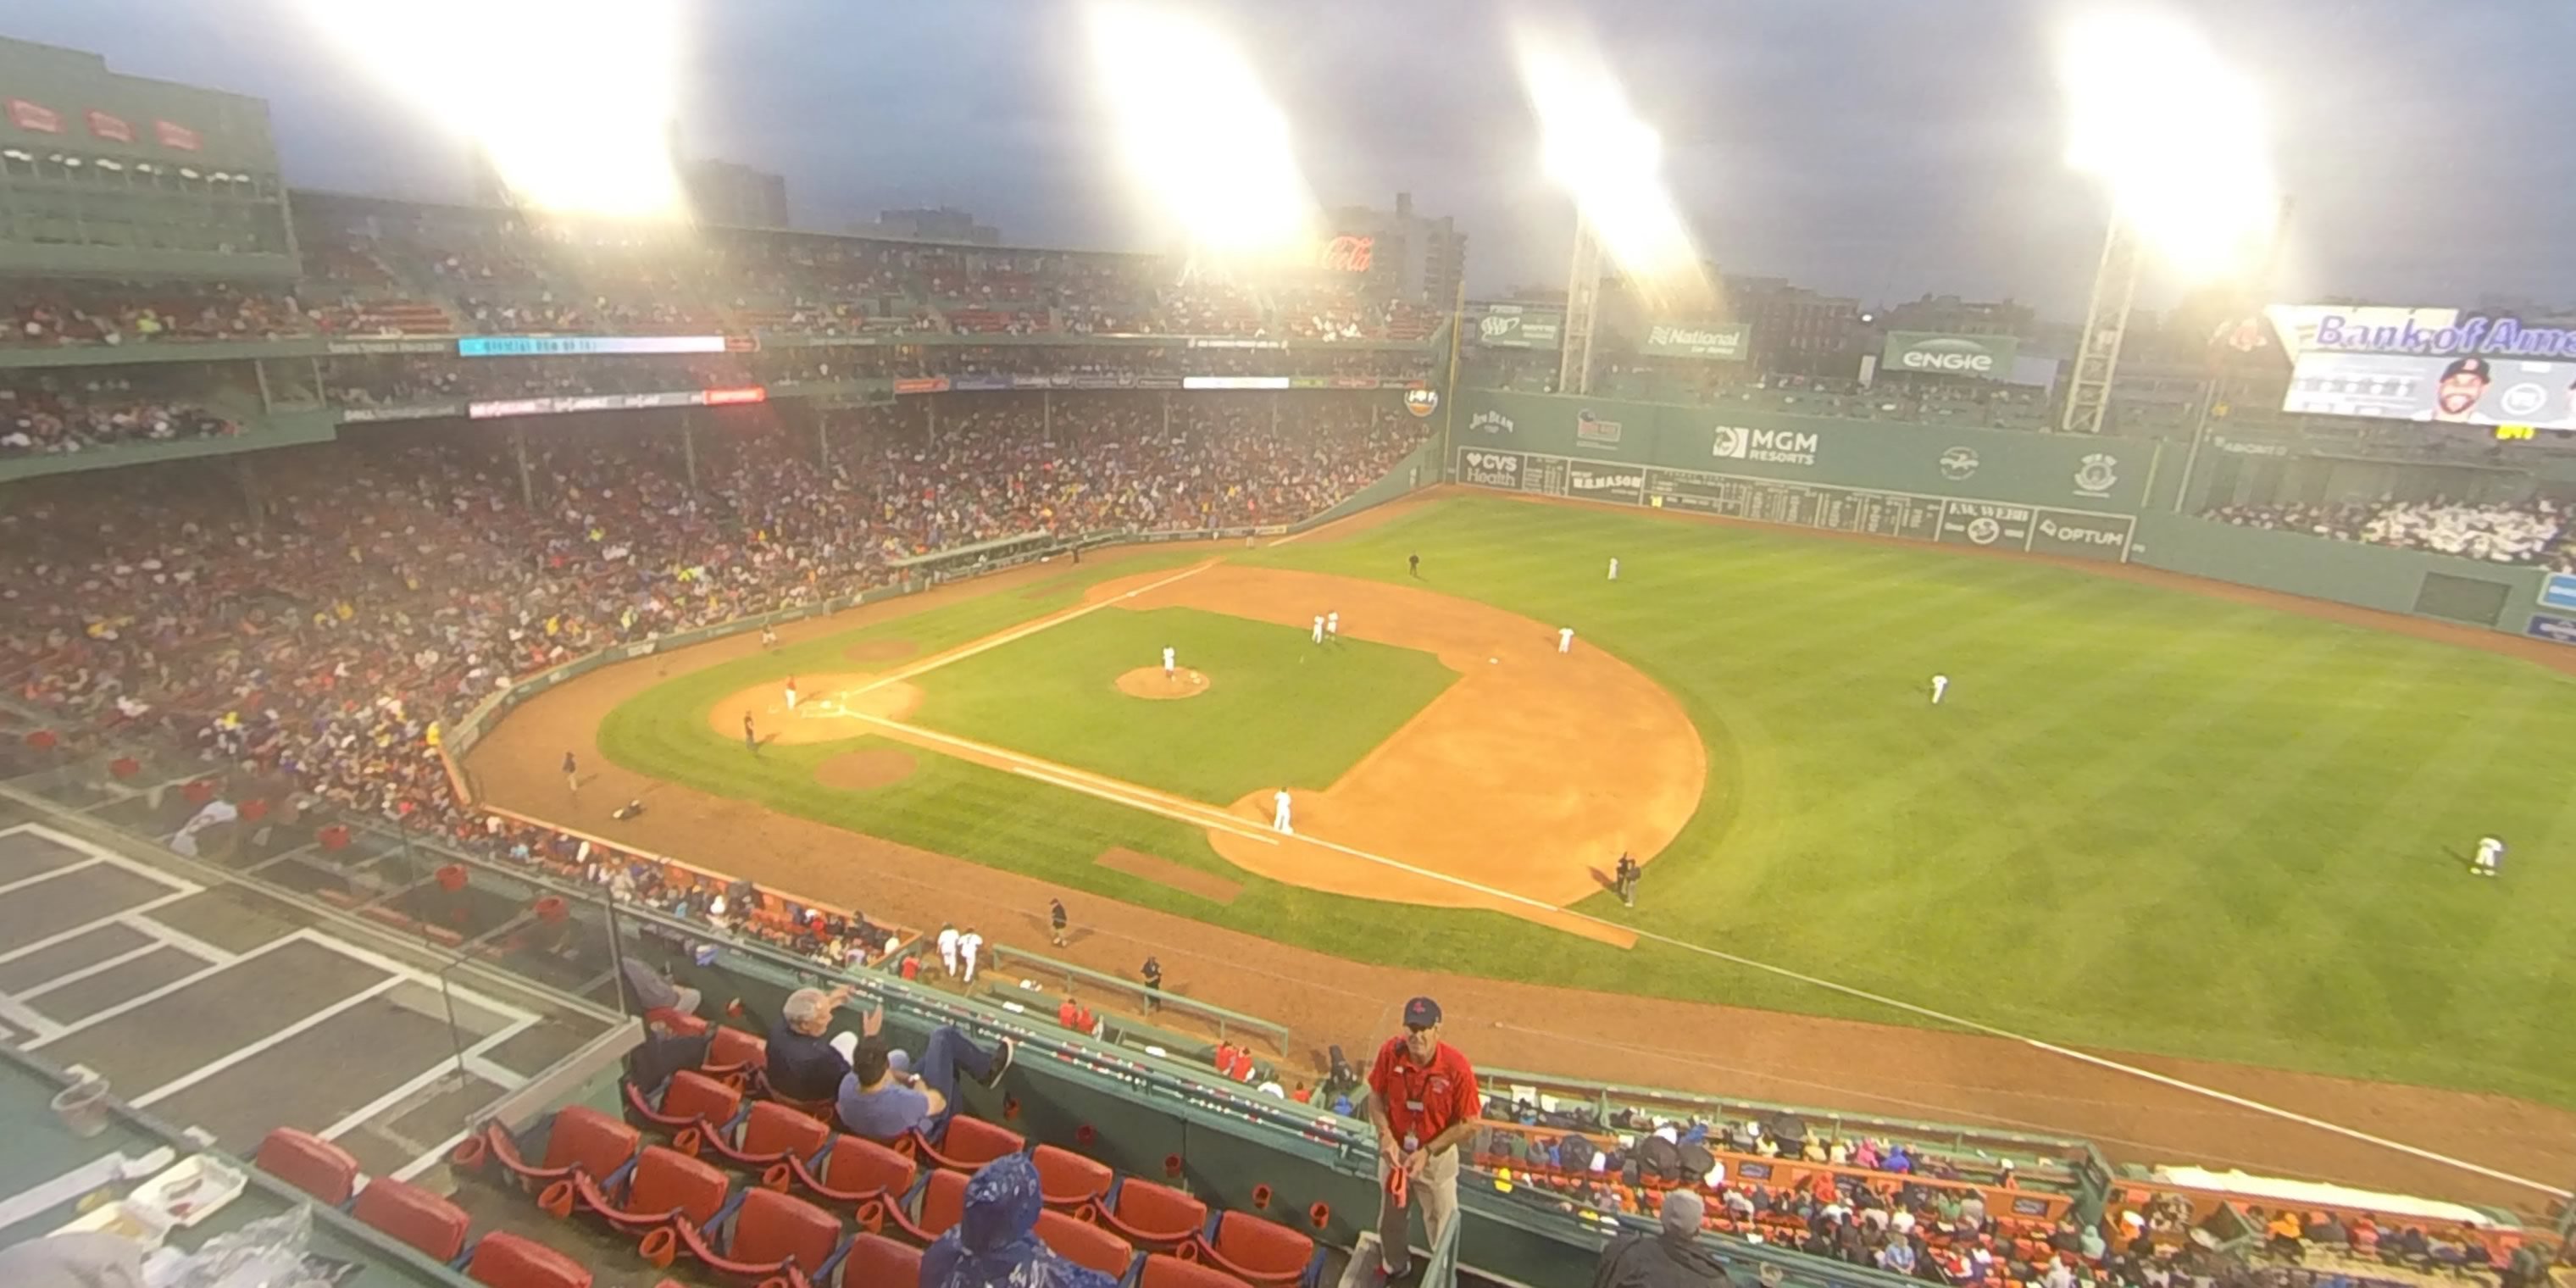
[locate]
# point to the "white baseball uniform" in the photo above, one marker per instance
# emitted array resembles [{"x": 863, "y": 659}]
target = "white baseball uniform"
[
  {"x": 2490, "y": 855},
  {"x": 969, "y": 947},
  {"x": 1279, "y": 812},
  {"x": 1333, "y": 625},
  {"x": 1319, "y": 629},
  {"x": 1939, "y": 684},
  {"x": 1614, "y": 568},
  {"x": 1167, "y": 664},
  {"x": 1565, "y": 639},
  {"x": 948, "y": 950},
  {"x": 791, "y": 698}
]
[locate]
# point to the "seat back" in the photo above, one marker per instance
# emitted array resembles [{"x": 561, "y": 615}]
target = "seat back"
[
  {"x": 876, "y": 1261},
  {"x": 505, "y": 1260},
  {"x": 1158, "y": 1211},
  {"x": 1260, "y": 1246},
  {"x": 772, "y": 1227},
  {"x": 1163, "y": 1270},
  {"x": 667, "y": 1180},
  {"x": 858, "y": 1165},
  {"x": 774, "y": 1128},
  {"x": 943, "y": 1202},
  {"x": 585, "y": 1138},
  {"x": 695, "y": 1095},
  {"x": 309, "y": 1163},
  {"x": 973, "y": 1142},
  {"x": 414, "y": 1215},
  {"x": 1085, "y": 1244},
  {"x": 731, "y": 1048},
  {"x": 1067, "y": 1179}
]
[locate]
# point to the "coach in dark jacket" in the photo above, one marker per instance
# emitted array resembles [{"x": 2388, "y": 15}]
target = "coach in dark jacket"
[{"x": 1670, "y": 1258}]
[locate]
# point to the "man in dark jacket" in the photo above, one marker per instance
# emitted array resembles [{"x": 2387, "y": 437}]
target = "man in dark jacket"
[
  {"x": 995, "y": 1244},
  {"x": 1671, "y": 1258}
]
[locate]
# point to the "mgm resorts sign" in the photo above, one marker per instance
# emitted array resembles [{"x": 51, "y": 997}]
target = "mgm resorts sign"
[
  {"x": 1778, "y": 446},
  {"x": 1988, "y": 357}
]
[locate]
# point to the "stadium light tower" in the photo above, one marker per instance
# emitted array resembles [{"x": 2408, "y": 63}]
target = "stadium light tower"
[
  {"x": 1582, "y": 307},
  {"x": 2179, "y": 141}
]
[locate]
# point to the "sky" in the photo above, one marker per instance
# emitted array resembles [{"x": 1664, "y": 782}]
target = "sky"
[{"x": 1882, "y": 149}]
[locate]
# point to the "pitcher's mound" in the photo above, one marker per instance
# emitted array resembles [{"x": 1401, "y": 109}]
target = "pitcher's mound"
[
  {"x": 1150, "y": 683},
  {"x": 867, "y": 770}
]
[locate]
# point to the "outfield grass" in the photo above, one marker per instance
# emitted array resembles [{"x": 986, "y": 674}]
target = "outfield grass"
[
  {"x": 2143, "y": 819},
  {"x": 1279, "y": 709}
]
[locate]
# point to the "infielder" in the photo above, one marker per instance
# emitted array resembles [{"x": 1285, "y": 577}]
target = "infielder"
[
  {"x": 1614, "y": 567},
  {"x": 1319, "y": 628},
  {"x": 969, "y": 947},
  {"x": 1940, "y": 685},
  {"x": 1565, "y": 639},
  {"x": 1167, "y": 663},
  {"x": 750, "y": 735},
  {"x": 1279, "y": 813},
  {"x": 571, "y": 771},
  {"x": 768, "y": 635},
  {"x": 791, "y": 695},
  {"x": 2490, "y": 856},
  {"x": 1333, "y": 627},
  {"x": 948, "y": 950}
]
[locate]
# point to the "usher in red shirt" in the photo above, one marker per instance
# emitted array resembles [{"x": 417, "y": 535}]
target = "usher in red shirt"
[{"x": 1423, "y": 1100}]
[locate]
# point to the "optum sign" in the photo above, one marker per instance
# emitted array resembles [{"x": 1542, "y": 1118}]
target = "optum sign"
[{"x": 1942, "y": 353}]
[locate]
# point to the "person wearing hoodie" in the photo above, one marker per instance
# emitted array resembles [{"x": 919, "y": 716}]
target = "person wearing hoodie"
[
  {"x": 1670, "y": 1258},
  {"x": 995, "y": 1244}
]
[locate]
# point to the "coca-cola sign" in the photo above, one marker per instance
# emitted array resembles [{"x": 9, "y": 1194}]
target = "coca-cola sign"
[{"x": 1349, "y": 253}]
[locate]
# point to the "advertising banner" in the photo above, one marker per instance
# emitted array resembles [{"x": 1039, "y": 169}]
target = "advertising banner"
[
  {"x": 1984, "y": 523},
  {"x": 2082, "y": 536},
  {"x": 979, "y": 384},
  {"x": 2559, "y": 591},
  {"x": 1725, "y": 341},
  {"x": 554, "y": 346},
  {"x": 2458, "y": 389},
  {"x": 1590, "y": 430},
  {"x": 1988, "y": 357},
  {"x": 386, "y": 344},
  {"x": 2295, "y": 326},
  {"x": 2557, "y": 630},
  {"x": 566, "y": 403},
  {"x": 1512, "y": 326},
  {"x": 1490, "y": 469},
  {"x": 1234, "y": 382},
  {"x": 921, "y": 385},
  {"x": 112, "y": 128},
  {"x": 408, "y": 411},
  {"x": 1596, "y": 482}
]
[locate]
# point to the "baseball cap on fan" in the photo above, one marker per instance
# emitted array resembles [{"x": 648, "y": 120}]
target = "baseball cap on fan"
[{"x": 1421, "y": 1013}]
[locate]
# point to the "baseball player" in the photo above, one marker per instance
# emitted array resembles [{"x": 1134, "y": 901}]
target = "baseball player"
[
  {"x": 1167, "y": 663},
  {"x": 969, "y": 947},
  {"x": 1614, "y": 567},
  {"x": 791, "y": 695},
  {"x": 1940, "y": 685},
  {"x": 1279, "y": 813},
  {"x": 572, "y": 772},
  {"x": 1333, "y": 627},
  {"x": 2490, "y": 856},
  {"x": 768, "y": 635},
  {"x": 1565, "y": 639},
  {"x": 1056, "y": 920},
  {"x": 750, "y": 736},
  {"x": 1319, "y": 628},
  {"x": 948, "y": 950}
]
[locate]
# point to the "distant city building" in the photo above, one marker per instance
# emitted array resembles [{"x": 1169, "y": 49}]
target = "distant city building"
[
  {"x": 732, "y": 195},
  {"x": 943, "y": 224},
  {"x": 1962, "y": 317},
  {"x": 1412, "y": 256},
  {"x": 1794, "y": 329}
]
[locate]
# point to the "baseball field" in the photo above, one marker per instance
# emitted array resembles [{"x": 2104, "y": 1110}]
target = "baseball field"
[{"x": 2144, "y": 819}]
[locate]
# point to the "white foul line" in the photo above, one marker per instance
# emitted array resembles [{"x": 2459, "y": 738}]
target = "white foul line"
[{"x": 1016, "y": 633}]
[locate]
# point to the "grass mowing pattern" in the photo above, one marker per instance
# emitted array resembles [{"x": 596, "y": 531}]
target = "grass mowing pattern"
[
  {"x": 1279, "y": 708},
  {"x": 2143, "y": 819}
]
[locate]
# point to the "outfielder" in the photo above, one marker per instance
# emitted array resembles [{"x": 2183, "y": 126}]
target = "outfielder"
[
  {"x": 948, "y": 950},
  {"x": 1167, "y": 662},
  {"x": 1940, "y": 685},
  {"x": 2490, "y": 857},
  {"x": 1565, "y": 639},
  {"x": 1333, "y": 627},
  {"x": 1319, "y": 628},
  {"x": 791, "y": 695},
  {"x": 1614, "y": 567},
  {"x": 1279, "y": 813}
]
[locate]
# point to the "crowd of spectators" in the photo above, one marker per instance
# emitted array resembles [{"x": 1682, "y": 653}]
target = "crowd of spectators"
[
  {"x": 2535, "y": 531},
  {"x": 72, "y": 411}
]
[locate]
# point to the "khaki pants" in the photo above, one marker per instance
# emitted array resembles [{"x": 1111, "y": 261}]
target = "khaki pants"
[{"x": 1434, "y": 1194}]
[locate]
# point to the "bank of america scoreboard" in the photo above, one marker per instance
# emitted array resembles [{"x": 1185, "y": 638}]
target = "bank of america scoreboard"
[{"x": 2003, "y": 525}]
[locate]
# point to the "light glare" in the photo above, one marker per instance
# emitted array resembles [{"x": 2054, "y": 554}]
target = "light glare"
[
  {"x": 2178, "y": 138},
  {"x": 1610, "y": 162}
]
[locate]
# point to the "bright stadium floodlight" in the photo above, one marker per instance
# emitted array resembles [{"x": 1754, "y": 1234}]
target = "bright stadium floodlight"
[
  {"x": 1610, "y": 162},
  {"x": 2178, "y": 138},
  {"x": 1208, "y": 152},
  {"x": 569, "y": 98}
]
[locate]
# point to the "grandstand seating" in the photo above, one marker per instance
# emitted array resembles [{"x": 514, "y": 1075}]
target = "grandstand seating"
[
  {"x": 505, "y": 1260},
  {"x": 1067, "y": 1179},
  {"x": 309, "y": 1163},
  {"x": 771, "y": 1134},
  {"x": 434, "y": 1226},
  {"x": 965, "y": 1144},
  {"x": 766, "y": 1234},
  {"x": 1151, "y": 1215},
  {"x": 661, "y": 1186}
]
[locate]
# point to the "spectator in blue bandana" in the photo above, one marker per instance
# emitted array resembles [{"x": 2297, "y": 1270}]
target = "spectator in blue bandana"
[{"x": 995, "y": 1244}]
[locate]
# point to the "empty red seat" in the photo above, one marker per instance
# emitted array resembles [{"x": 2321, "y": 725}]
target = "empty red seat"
[
  {"x": 1258, "y": 1251},
  {"x": 414, "y": 1215},
  {"x": 943, "y": 1204},
  {"x": 858, "y": 1172},
  {"x": 772, "y": 1133},
  {"x": 1162, "y": 1270},
  {"x": 505, "y": 1260},
  {"x": 769, "y": 1234},
  {"x": 578, "y": 1139},
  {"x": 1154, "y": 1217},
  {"x": 1068, "y": 1180},
  {"x": 309, "y": 1163},
  {"x": 664, "y": 1185},
  {"x": 1085, "y": 1244},
  {"x": 733, "y": 1054},
  {"x": 875, "y": 1261},
  {"x": 692, "y": 1099},
  {"x": 968, "y": 1144},
  {"x": 674, "y": 1021}
]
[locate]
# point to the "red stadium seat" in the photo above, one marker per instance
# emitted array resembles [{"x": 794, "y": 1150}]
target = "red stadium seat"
[
  {"x": 968, "y": 1144},
  {"x": 1258, "y": 1251},
  {"x": 1067, "y": 1179},
  {"x": 309, "y": 1163},
  {"x": 676, "y": 1022},
  {"x": 580, "y": 1139},
  {"x": 664, "y": 1185},
  {"x": 859, "y": 1173},
  {"x": 769, "y": 1234},
  {"x": 692, "y": 1099},
  {"x": 732, "y": 1055},
  {"x": 1085, "y": 1244},
  {"x": 943, "y": 1204},
  {"x": 875, "y": 1261},
  {"x": 505, "y": 1260},
  {"x": 772, "y": 1133},
  {"x": 414, "y": 1215},
  {"x": 1154, "y": 1217},
  {"x": 1163, "y": 1270}
]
